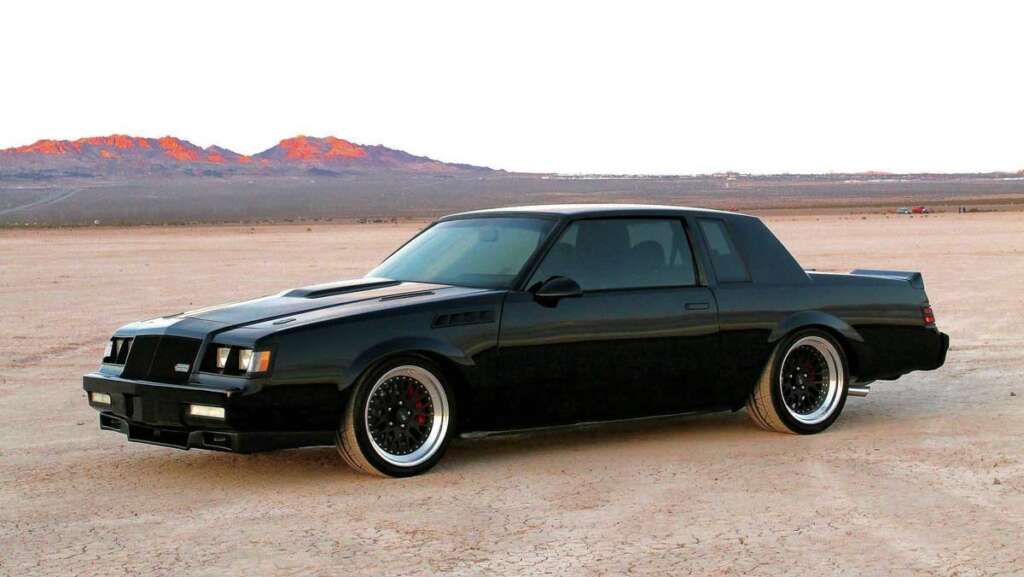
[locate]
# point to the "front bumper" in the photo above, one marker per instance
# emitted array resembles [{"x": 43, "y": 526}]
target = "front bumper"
[
  {"x": 214, "y": 440},
  {"x": 158, "y": 414},
  {"x": 162, "y": 404}
]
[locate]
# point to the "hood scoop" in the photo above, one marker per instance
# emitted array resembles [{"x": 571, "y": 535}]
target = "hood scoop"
[
  {"x": 286, "y": 305},
  {"x": 337, "y": 288}
]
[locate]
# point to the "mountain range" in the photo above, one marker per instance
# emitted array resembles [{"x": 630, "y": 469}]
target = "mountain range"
[
  {"x": 121, "y": 179},
  {"x": 121, "y": 155}
]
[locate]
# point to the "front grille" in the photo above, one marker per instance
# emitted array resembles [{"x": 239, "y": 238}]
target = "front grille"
[
  {"x": 140, "y": 357},
  {"x": 161, "y": 358}
]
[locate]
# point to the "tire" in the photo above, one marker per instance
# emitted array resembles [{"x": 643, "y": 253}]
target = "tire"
[
  {"x": 398, "y": 420},
  {"x": 783, "y": 401}
]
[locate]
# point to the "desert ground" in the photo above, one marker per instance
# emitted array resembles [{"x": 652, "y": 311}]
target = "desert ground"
[
  {"x": 163, "y": 199},
  {"x": 923, "y": 477}
]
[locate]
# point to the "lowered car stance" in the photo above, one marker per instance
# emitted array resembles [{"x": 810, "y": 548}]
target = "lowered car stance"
[{"x": 521, "y": 318}]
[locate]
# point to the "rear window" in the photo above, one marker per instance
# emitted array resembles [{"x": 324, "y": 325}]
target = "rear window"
[{"x": 725, "y": 259}]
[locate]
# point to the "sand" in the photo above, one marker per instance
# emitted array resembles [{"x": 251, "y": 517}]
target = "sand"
[{"x": 923, "y": 477}]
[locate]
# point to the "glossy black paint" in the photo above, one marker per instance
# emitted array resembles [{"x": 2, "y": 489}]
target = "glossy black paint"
[
  {"x": 519, "y": 361},
  {"x": 605, "y": 355}
]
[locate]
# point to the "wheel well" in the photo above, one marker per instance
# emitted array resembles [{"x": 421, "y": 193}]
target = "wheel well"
[
  {"x": 451, "y": 374},
  {"x": 457, "y": 380}
]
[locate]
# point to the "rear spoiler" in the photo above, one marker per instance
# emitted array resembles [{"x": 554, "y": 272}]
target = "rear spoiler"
[{"x": 914, "y": 279}]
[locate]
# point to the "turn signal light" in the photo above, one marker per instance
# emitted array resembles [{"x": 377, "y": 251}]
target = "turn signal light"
[
  {"x": 260, "y": 362},
  {"x": 929, "y": 316}
]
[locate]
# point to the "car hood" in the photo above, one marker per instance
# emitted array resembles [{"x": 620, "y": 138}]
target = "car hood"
[{"x": 311, "y": 298}]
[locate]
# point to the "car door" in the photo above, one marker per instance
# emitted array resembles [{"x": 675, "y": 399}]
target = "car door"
[{"x": 640, "y": 340}]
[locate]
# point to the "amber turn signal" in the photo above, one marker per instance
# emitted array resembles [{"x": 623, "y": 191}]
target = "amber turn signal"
[{"x": 260, "y": 362}]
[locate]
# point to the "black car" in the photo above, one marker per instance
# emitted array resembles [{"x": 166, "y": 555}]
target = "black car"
[{"x": 520, "y": 318}]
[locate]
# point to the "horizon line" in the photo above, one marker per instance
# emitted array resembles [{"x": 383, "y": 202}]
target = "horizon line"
[{"x": 714, "y": 173}]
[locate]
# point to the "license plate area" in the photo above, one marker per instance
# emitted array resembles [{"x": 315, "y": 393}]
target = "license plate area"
[{"x": 168, "y": 437}]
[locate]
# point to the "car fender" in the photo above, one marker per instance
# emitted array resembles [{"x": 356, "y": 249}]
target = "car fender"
[
  {"x": 390, "y": 348},
  {"x": 814, "y": 318}
]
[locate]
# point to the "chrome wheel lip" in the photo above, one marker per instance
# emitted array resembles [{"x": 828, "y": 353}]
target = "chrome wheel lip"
[
  {"x": 836, "y": 380},
  {"x": 438, "y": 429}
]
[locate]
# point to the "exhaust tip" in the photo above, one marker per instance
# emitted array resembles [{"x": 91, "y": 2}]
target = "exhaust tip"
[{"x": 858, "y": 390}]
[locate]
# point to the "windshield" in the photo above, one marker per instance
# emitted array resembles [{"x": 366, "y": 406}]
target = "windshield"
[{"x": 473, "y": 252}]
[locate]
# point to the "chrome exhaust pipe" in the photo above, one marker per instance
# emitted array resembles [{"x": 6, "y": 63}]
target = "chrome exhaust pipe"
[{"x": 858, "y": 390}]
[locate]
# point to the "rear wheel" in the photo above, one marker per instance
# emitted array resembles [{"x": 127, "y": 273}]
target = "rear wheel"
[
  {"x": 398, "y": 419},
  {"x": 803, "y": 388}
]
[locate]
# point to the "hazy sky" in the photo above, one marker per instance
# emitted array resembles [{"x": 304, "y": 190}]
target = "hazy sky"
[{"x": 634, "y": 87}]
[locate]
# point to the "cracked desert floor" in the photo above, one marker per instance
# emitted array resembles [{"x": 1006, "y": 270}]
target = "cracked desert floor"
[{"x": 923, "y": 477}]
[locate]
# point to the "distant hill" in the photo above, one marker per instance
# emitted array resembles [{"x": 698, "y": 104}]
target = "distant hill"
[
  {"x": 121, "y": 155},
  {"x": 122, "y": 179}
]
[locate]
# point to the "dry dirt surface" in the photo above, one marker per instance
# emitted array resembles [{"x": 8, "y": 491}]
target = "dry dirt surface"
[{"x": 924, "y": 477}]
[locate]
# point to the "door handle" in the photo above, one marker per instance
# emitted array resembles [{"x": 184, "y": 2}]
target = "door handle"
[{"x": 697, "y": 306}]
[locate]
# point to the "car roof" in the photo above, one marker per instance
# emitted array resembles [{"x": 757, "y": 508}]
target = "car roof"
[{"x": 585, "y": 210}]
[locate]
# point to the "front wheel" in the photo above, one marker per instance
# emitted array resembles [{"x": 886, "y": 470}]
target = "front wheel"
[
  {"x": 398, "y": 419},
  {"x": 803, "y": 388}
]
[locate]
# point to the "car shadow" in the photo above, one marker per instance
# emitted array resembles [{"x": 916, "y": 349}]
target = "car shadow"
[
  {"x": 317, "y": 465},
  {"x": 690, "y": 428},
  {"x": 172, "y": 468},
  {"x": 683, "y": 432}
]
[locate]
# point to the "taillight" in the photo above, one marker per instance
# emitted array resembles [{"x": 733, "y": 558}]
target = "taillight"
[{"x": 929, "y": 316}]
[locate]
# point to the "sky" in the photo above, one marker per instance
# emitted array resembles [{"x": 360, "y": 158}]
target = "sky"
[{"x": 573, "y": 87}]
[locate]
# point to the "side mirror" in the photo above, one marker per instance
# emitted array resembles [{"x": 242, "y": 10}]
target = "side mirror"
[{"x": 557, "y": 288}]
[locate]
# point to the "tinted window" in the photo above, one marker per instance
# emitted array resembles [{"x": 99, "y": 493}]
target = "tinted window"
[
  {"x": 475, "y": 252},
  {"x": 724, "y": 257},
  {"x": 621, "y": 253}
]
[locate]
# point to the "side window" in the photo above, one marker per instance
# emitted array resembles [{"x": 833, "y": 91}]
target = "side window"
[
  {"x": 621, "y": 253},
  {"x": 724, "y": 257}
]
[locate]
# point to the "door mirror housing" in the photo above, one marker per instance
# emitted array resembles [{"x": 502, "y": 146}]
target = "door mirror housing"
[{"x": 557, "y": 288}]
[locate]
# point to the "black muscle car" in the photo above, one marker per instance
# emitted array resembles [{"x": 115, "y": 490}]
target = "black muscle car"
[{"x": 521, "y": 318}]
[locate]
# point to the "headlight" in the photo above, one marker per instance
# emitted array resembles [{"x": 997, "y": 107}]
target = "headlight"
[
  {"x": 117, "y": 350},
  {"x": 229, "y": 360},
  {"x": 100, "y": 398},
  {"x": 222, "y": 356},
  {"x": 244, "y": 358}
]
